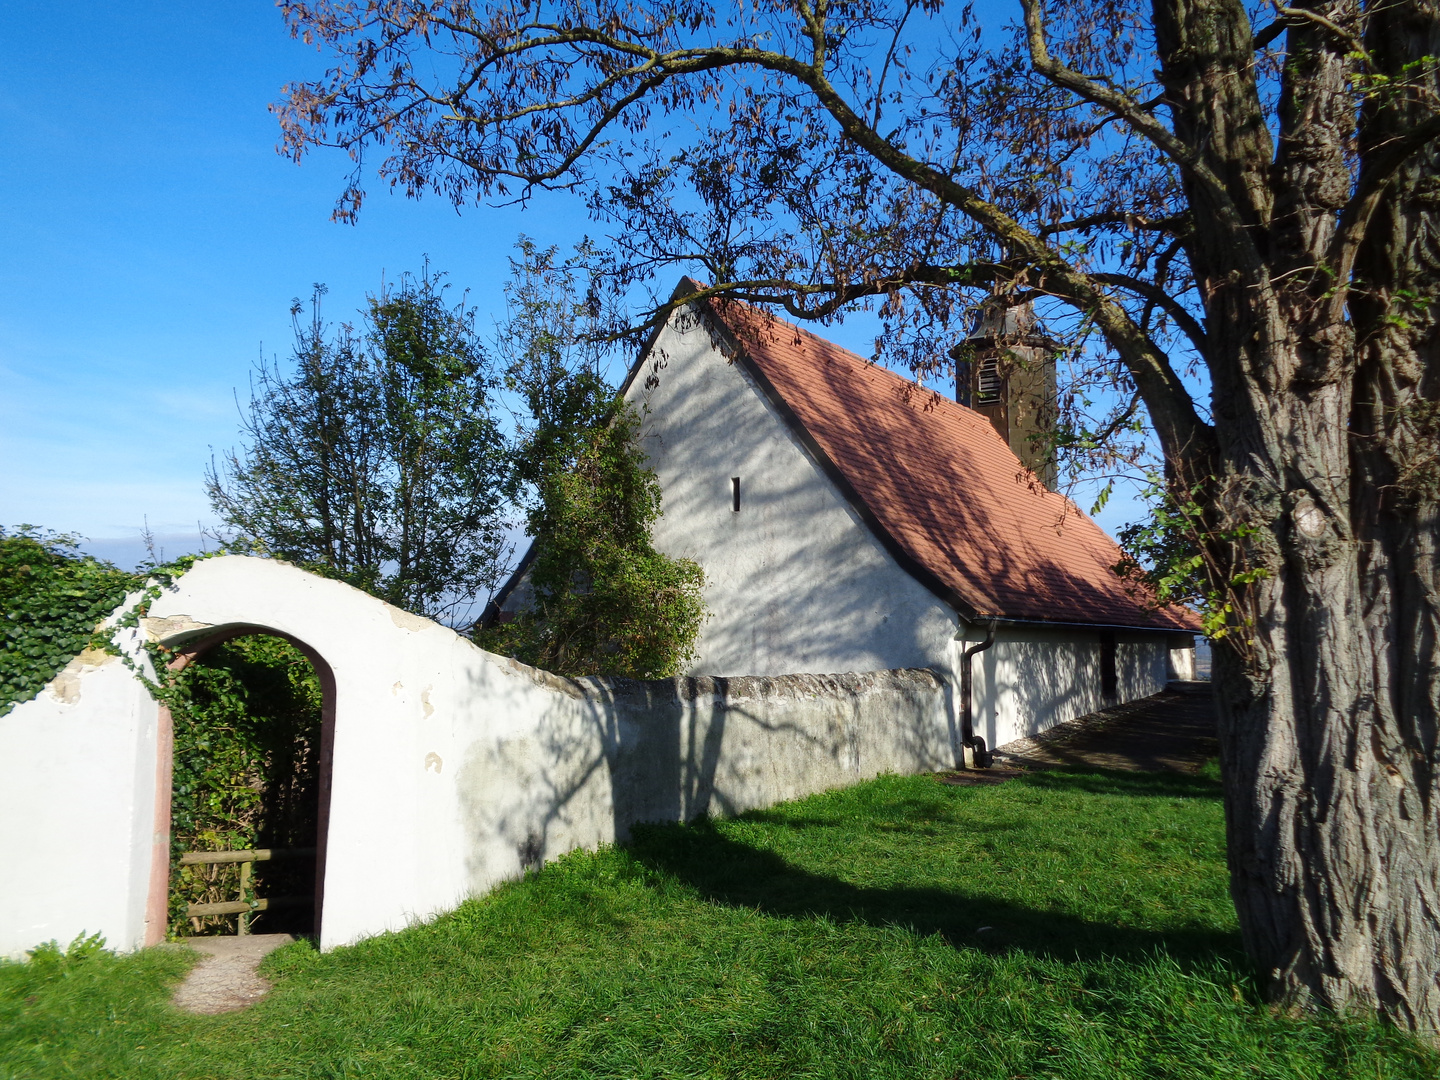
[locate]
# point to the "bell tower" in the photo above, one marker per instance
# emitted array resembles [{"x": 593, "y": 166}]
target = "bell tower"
[{"x": 1005, "y": 370}]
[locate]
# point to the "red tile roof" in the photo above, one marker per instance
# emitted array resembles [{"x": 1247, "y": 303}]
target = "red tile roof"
[{"x": 941, "y": 488}]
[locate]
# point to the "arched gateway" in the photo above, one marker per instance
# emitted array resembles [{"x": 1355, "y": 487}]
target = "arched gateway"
[{"x": 450, "y": 769}]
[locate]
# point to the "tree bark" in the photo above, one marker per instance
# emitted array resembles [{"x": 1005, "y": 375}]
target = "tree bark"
[{"x": 1330, "y": 702}]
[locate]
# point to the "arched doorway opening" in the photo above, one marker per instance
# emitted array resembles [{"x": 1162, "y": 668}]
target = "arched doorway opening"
[{"x": 244, "y": 783}]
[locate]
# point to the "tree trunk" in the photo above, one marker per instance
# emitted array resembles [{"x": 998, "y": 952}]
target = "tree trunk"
[
  {"x": 1327, "y": 479},
  {"x": 1330, "y": 788},
  {"x": 1330, "y": 711}
]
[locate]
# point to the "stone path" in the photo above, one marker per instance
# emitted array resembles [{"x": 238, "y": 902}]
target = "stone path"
[
  {"x": 227, "y": 979},
  {"x": 1171, "y": 732}
]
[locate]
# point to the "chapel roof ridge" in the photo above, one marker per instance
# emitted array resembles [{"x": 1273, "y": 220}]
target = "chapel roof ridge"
[{"x": 938, "y": 485}]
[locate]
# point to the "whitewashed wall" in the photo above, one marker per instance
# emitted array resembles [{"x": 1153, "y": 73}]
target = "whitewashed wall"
[
  {"x": 797, "y": 582},
  {"x": 1029, "y": 681},
  {"x": 453, "y": 769},
  {"x": 77, "y": 808},
  {"x": 1182, "y": 658}
]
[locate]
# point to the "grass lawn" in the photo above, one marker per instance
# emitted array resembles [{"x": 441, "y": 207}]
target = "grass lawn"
[{"x": 1065, "y": 925}]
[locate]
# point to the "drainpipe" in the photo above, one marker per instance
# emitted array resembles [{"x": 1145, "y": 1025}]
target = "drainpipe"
[{"x": 968, "y": 738}]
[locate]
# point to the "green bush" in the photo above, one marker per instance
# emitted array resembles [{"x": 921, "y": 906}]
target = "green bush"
[{"x": 605, "y": 601}]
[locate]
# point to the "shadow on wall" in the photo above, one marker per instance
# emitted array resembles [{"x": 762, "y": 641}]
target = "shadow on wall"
[
  {"x": 802, "y": 585},
  {"x": 835, "y": 626},
  {"x": 1047, "y": 682},
  {"x": 1033, "y": 682},
  {"x": 608, "y": 754}
]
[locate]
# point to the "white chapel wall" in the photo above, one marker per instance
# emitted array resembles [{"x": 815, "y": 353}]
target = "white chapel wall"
[
  {"x": 1142, "y": 665},
  {"x": 1182, "y": 658},
  {"x": 1028, "y": 681},
  {"x": 796, "y": 582}
]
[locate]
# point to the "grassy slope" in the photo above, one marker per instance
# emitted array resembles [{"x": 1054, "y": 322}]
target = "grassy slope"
[{"x": 839, "y": 936}]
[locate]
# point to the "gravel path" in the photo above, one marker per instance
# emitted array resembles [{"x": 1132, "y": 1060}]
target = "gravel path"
[{"x": 226, "y": 979}]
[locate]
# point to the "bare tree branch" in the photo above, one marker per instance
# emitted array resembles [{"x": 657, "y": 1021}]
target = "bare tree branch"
[
  {"x": 1290, "y": 17},
  {"x": 1177, "y": 224},
  {"x": 1145, "y": 124},
  {"x": 1165, "y": 302}
]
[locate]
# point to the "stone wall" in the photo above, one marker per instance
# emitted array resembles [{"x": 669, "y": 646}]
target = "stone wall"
[{"x": 606, "y": 754}]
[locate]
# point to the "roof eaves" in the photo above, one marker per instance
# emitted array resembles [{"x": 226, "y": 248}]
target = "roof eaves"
[
  {"x": 496, "y": 602},
  {"x": 1047, "y": 624}
]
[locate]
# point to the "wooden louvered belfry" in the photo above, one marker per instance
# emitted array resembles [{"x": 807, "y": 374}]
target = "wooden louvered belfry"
[{"x": 1005, "y": 369}]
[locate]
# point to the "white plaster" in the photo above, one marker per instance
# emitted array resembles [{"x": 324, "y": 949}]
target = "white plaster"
[
  {"x": 1182, "y": 657},
  {"x": 795, "y": 581},
  {"x": 1030, "y": 680},
  {"x": 453, "y": 769},
  {"x": 77, "y": 807}
]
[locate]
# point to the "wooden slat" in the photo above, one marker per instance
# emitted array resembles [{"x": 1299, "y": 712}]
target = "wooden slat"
[
  {"x": 247, "y": 872},
  {"x": 195, "y": 858},
  {"x": 235, "y": 907}
]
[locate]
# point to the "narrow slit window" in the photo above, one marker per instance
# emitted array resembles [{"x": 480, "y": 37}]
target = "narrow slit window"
[{"x": 735, "y": 494}]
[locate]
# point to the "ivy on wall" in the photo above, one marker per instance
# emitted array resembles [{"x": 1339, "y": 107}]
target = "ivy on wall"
[
  {"x": 53, "y": 599},
  {"x": 604, "y": 600},
  {"x": 247, "y": 715},
  {"x": 246, "y": 718}
]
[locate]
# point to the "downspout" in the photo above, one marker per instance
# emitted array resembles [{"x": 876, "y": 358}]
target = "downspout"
[{"x": 968, "y": 738}]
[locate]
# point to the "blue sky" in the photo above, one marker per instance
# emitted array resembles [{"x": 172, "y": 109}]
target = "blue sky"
[{"x": 154, "y": 240}]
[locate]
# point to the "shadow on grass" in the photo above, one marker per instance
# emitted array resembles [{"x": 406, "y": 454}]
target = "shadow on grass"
[{"x": 725, "y": 871}]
